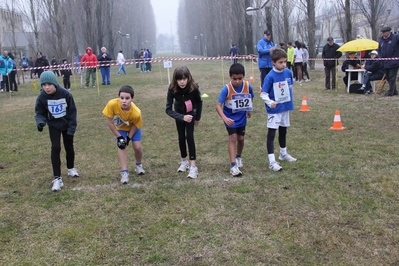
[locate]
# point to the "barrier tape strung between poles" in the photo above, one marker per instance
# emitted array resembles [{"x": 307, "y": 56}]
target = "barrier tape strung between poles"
[{"x": 253, "y": 58}]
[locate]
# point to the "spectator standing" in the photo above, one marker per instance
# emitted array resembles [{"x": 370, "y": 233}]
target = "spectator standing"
[
  {"x": 265, "y": 48},
  {"x": 24, "y": 64},
  {"x": 89, "y": 60},
  {"x": 31, "y": 66},
  {"x": 290, "y": 58},
  {"x": 54, "y": 65},
  {"x": 149, "y": 63},
  {"x": 66, "y": 74},
  {"x": 13, "y": 74},
  {"x": 104, "y": 60},
  {"x": 121, "y": 61},
  {"x": 5, "y": 70},
  {"x": 76, "y": 61},
  {"x": 388, "y": 47},
  {"x": 298, "y": 60},
  {"x": 330, "y": 56},
  {"x": 305, "y": 56},
  {"x": 41, "y": 64},
  {"x": 234, "y": 52}
]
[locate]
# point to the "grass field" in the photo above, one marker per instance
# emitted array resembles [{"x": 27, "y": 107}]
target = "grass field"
[{"x": 337, "y": 205}]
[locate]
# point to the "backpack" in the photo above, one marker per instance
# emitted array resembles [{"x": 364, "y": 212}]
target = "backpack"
[
  {"x": 25, "y": 62},
  {"x": 356, "y": 88}
]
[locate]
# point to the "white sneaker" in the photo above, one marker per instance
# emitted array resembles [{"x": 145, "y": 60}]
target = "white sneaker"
[
  {"x": 234, "y": 171},
  {"x": 184, "y": 166},
  {"x": 193, "y": 172},
  {"x": 275, "y": 166},
  {"x": 239, "y": 162},
  {"x": 307, "y": 80},
  {"x": 286, "y": 157},
  {"x": 300, "y": 81},
  {"x": 139, "y": 169},
  {"x": 72, "y": 172},
  {"x": 1, "y": 90},
  {"x": 57, "y": 184},
  {"x": 124, "y": 177}
]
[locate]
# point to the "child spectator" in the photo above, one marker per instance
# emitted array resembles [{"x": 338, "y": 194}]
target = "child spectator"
[
  {"x": 278, "y": 98},
  {"x": 125, "y": 121},
  {"x": 236, "y": 99},
  {"x": 56, "y": 108},
  {"x": 66, "y": 74},
  {"x": 185, "y": 97}
]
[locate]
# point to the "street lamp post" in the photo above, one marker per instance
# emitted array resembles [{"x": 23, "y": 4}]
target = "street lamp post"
[
  {"x": 251, "y": 10},
  {"x": 127, "y": 36}
]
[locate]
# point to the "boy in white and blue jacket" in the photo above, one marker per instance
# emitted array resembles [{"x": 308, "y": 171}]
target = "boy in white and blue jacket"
[{"x": 278, "y": 98}]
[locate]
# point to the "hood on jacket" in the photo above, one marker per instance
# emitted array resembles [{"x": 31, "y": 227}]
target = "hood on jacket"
[{"x": 89, "y": 50}]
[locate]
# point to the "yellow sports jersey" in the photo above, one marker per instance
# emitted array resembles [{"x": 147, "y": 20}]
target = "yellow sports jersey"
[{"x": 123, "y": 120}]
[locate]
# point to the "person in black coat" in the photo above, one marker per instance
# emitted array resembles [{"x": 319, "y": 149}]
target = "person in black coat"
[
  {"x": 373, "y": 71},
  {"x": 330, "y": 56},
  {"x": 41, "y": 64}
]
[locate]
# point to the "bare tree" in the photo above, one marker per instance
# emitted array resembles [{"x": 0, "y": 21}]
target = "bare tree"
[{"x": 372, "y": 11}]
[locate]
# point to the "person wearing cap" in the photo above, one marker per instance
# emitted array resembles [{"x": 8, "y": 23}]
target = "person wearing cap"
[
  {"x": 352, "y": 62},
  {"x": 388, "y": 47},
  {"x": 373, "y": 71},
  {"x": 265, "y": 48},
  {"x": 56, "y": 108},
  {"x": 330, "y": 56}
]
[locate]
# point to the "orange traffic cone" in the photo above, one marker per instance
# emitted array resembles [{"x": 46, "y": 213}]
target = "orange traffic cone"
[
  {"x": 304, "y": 107},
  {"x": 251, "y": 79},
  {"x": 337, "y": 125}
]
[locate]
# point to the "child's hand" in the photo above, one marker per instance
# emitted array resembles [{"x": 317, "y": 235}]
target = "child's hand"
[
  {"x": 273, "y": 105},
  {"x": 188, "y": 118},
  {"x": 228, "y": 121},
  {"x": 249, "y": 114}
]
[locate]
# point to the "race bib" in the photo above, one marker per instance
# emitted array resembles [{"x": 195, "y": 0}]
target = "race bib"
[
  {"x": 57, "y": 108},
  {"x": 241, "y": 102},
  {"x": 281, "y": 92}
]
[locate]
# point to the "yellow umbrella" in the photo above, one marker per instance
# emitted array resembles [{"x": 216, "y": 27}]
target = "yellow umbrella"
[{"x": 359, "y": 45}]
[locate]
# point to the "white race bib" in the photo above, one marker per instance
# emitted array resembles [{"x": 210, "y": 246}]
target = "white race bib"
[
  {"x": 281, "y": 92},
  {"x": 57, "y": 108},
  {"x": 241, "y": 102}
]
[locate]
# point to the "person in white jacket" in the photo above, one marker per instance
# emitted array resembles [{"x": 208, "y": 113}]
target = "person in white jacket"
[{"x": 121, "y": 62}]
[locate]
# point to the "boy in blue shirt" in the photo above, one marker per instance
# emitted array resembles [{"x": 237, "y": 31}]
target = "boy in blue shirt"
[
  {"x": 277, "y": 95},
  {"x": 236, "y": 99}
]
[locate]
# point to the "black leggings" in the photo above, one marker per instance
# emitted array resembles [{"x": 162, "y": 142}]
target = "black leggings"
[
  {"x": 185, "y": 131},
  {"x": 271, "y": 134},
  {"x": 55, "y": 137},
  {"x": 67, "y": 83}
]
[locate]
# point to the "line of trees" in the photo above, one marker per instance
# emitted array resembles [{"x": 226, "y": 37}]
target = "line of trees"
[{"x": 64, "y": 28}]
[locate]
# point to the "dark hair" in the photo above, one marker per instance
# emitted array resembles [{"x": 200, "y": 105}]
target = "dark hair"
[
  {"x": 10, "y": 55},
  {"x": 304, "y": 46},
  {"x": 282, "y": 44},
  {"x": 277, "y": 54},
  {"x": 290, "y": 43},
  {"x": 236, "y": 69},
  {"x": 64, "y": 60},
  {"x": 298, "y": 44},
  {"x": 120, "y": 51},
  {"x": 180, "y": 73},
  {"x": 127, "y": 89}
]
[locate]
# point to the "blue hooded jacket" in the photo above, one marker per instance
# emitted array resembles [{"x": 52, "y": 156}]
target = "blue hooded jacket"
[
  {"x": 264, "y": 57},
  {"x": 6, "y": 65}
]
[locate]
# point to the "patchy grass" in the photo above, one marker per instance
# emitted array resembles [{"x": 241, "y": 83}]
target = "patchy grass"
[{"x": 337, "y": 205}]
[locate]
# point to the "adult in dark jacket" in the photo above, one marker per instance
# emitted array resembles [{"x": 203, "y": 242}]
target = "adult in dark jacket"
[
  {"x": 351, "y": 62},
  {"x": 373, "y": 71},
  {"x": 104, "y": 61},
  {"x": 330, "y": 54},
  {"x": 388, "y": 47},
  {"x": 41, "y": 64}
]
